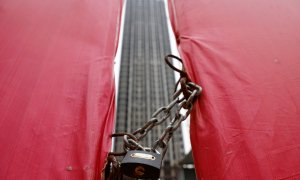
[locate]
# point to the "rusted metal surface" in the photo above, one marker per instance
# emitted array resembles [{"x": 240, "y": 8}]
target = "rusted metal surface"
[{"x": 177, "y": 110}]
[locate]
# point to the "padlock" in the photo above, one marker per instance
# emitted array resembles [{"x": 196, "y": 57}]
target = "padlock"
[{"x": 141, "y": 164}]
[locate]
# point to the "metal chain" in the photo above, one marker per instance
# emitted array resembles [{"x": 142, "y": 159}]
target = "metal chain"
[{"x": 183, "y": 99}]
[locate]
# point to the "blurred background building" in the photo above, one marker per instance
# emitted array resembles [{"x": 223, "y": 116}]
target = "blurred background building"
[{"x": 146, "y": 82}]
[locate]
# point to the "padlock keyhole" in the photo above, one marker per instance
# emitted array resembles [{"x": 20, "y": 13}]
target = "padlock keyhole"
[{"x": 139, "y": 171}]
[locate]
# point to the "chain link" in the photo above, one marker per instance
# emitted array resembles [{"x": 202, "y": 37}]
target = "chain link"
[{"x": 184, "y": 97}]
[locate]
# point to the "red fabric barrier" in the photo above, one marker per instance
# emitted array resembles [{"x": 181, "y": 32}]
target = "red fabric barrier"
[
  {"x": 246, "y": 56},
  {"x": 56, "y": 87}
]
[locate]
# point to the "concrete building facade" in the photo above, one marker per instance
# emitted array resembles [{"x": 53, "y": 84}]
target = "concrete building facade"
[{"x": 146, "y": 82}]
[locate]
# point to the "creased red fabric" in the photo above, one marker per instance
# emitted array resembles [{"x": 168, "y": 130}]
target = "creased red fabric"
[
  {"x": 246, "y": 56},
  {"x": 56, "y": 87}
]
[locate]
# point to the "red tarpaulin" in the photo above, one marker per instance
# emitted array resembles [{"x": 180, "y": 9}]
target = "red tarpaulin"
[
  {"x": 56, "y": 87},
  {"x": 246, "y": 55}
]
